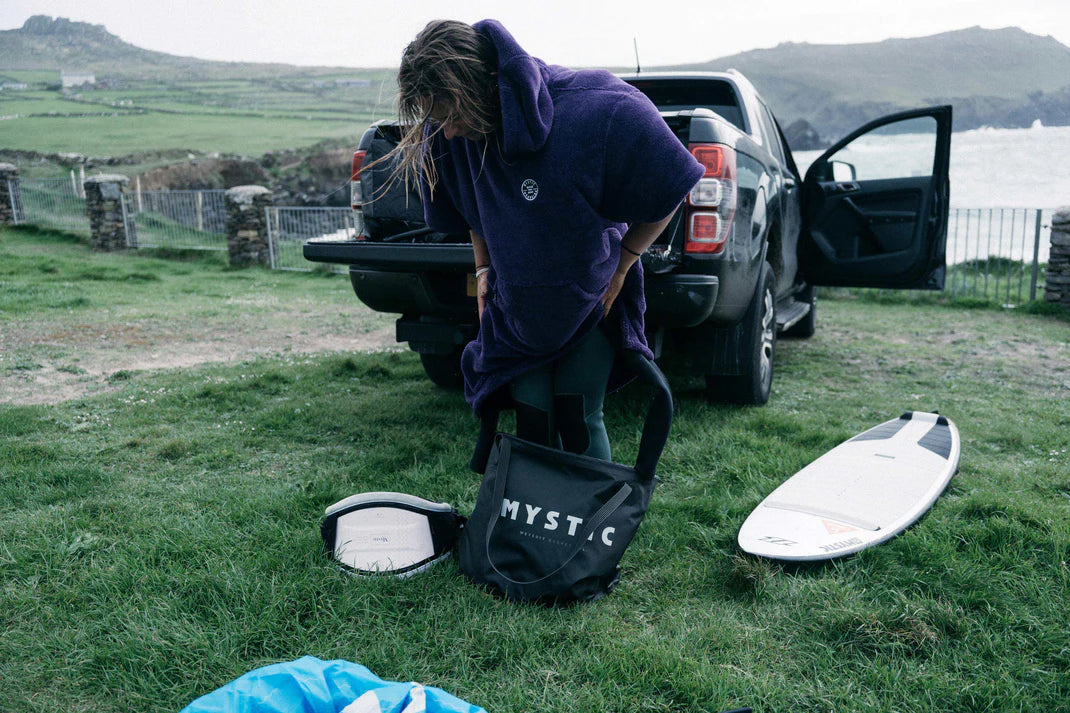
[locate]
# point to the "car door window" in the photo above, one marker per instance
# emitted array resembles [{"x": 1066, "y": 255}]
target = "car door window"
[
  {"x": 771, "y": 134},
  {"x": 903, "y": 149}
]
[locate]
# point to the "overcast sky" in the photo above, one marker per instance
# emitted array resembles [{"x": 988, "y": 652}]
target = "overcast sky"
[{"x": 360, "y": 33}]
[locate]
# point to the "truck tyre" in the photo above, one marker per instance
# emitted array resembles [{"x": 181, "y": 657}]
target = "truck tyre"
[
  {"x": 444, "y": 370},
  {"x": 804, "y": 328},
  {"x": 757, "y": 346}
]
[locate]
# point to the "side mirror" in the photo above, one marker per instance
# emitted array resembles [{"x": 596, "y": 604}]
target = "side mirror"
[{"x": 843, "y": 171}]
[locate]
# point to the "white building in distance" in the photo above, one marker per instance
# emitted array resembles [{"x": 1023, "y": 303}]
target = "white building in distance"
[{"x": 76, "y": 79}]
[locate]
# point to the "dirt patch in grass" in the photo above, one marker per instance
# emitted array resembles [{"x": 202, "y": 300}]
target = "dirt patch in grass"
[
  {"x": 51, "y": 365},
  {"x": 970, "y": 347},
  {"x": 76, "y": 323}
]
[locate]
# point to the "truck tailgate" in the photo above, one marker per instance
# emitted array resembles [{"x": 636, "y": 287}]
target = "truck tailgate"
[{"x": 393, "y": 256}]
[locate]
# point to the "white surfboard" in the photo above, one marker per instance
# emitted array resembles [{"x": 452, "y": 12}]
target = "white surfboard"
[{"x": 864, "y": 491}]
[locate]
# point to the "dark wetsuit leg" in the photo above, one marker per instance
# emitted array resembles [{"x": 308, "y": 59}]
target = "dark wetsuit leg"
[
  {"x": 564, "y": 399},
  {"x": 580, "y": 379},
  {"x": 533, "y": 393}
]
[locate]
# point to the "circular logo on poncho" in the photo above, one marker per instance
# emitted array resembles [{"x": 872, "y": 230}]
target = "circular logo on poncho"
[{"x": 530, "y": 189}]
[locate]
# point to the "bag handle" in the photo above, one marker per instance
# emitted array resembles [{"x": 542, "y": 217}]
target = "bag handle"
[
  {"x": 603, "y": 513},
  {"x": 658, "y": 417},
  {"x": 655, "y": 428}
]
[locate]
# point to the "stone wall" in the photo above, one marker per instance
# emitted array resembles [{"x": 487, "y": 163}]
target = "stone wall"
[
  {"x": 9, "y": 199},
  {"x": 1057, "y": 284},
  {"x": 247, "y": 232},
  {"x": 107, "y": 223}
]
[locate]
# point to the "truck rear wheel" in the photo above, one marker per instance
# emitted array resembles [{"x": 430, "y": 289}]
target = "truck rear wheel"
[
  {"x": 757, "y": 347},
  {"x": 444, "y": 370}
]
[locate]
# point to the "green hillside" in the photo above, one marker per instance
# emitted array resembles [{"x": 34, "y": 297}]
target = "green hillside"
[
  {"x": 44, "y": 43},
  {"x": 153, "y": 102},
  {"x": 1006, "y": 63},
  {"x": 1004, "y": 77}
]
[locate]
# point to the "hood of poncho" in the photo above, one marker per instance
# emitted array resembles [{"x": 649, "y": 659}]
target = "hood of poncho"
[{"x": 527, "y": 109}]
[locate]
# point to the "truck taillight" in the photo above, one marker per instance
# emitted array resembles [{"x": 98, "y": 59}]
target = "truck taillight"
[
  {"x": 705, "y": 227},
  {"x": 356, "y": 194},
  {"x": 711, "y": 204}
]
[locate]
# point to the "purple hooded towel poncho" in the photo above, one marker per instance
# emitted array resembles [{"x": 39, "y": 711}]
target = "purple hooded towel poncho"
[{"x": 579, "y": 156}]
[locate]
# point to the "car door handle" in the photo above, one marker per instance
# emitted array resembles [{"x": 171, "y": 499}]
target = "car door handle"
[
  {"x": 789, "y": 182},
  {"x": 835, "y": 189},
  {"x": 880, "y": 216}
]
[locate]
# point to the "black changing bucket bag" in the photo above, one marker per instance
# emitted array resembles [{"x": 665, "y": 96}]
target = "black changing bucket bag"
[{"x": 551, "y": 526}]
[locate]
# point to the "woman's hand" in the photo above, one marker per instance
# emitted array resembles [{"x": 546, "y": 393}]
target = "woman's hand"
[
  {"x": 615, "y": 285},
  {"x": 482, "y": 287},
  {"x": 633, "y": 244},
  {"x": 482, "y": 258}
]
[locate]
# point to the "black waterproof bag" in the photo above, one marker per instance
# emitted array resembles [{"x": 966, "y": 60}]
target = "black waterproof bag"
[{"x": 551, "y": 526}]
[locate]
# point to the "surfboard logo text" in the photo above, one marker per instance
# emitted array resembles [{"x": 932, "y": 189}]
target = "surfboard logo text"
[
  {"x": 841, "y": 545},
  {"x": 777, "y": 541}
]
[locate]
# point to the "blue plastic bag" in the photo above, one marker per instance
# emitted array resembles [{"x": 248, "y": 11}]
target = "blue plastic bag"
[{"x": 309, "y": 685}]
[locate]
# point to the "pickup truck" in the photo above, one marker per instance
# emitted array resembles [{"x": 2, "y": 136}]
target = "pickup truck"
[{"x": 738, "y": 262}]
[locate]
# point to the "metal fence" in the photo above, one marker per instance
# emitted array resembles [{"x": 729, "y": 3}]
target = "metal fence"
[
  {"x": 290, "y": 228},
  {"x": 997, "y": 254},
  {"x": 993, "y": 254},
  {"x": 54, "y": 203},
  {"x": 186, "y": 220}
]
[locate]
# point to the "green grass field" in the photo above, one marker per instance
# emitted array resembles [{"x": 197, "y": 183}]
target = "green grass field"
[
  {"x": 242, "y": 115},
  {"x": 132, "y": 133},
  {"x": 160, "y": 538}
]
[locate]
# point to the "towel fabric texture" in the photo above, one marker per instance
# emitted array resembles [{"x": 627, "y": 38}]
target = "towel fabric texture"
[
  {"x": 309, "y": 685},
  {"x": 580, "y": 155}
]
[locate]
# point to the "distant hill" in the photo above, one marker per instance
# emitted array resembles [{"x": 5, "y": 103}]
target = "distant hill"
[
  {"x": 1005, "y": 78},
  {"x": 45, "y": 43}
]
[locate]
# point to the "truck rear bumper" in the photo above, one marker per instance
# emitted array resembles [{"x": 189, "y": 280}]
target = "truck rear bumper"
[
  {"x": 412, "y": 279},
  {"x": 672, "y": 301},
  {"x": 439, "y": 295},
  {"x": 680, "y": 300},
  {"x": 431, "y": 337},
  {"x": 431, "y": 280}
]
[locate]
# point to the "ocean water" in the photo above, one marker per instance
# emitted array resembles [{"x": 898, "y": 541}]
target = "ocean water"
[
  {"x": 999, "y": 178},
  {"x": 993, "y": 168}
]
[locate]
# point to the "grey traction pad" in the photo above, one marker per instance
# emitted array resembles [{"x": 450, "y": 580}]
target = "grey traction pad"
[{"x": 937, "y": 440}]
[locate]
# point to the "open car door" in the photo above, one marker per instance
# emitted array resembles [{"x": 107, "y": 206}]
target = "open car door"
[{"x": 875, "y": 205}]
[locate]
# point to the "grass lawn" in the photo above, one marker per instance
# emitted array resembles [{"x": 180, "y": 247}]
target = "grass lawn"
[
  {"x": 246, "y": 114},
  {"x": 130, "y": 133},
  {"x": 160, "y": 538},
  {"x": 72, "y": 319}
]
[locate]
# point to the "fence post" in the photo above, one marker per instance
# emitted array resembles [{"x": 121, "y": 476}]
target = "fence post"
[
  {"x": 1036, "y": 257},
  {"x": 9, "y": 195},
  {"x": 1057, "y": 283},
  {"x": 129, "y": 224},
  {"x": 107, "y": 219},
  {"x": 271, "y": 220},
  {"x": 247, "y": 232}
]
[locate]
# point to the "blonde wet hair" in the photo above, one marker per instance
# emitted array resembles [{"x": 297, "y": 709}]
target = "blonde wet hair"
[{"x": 451, "y": 67}]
